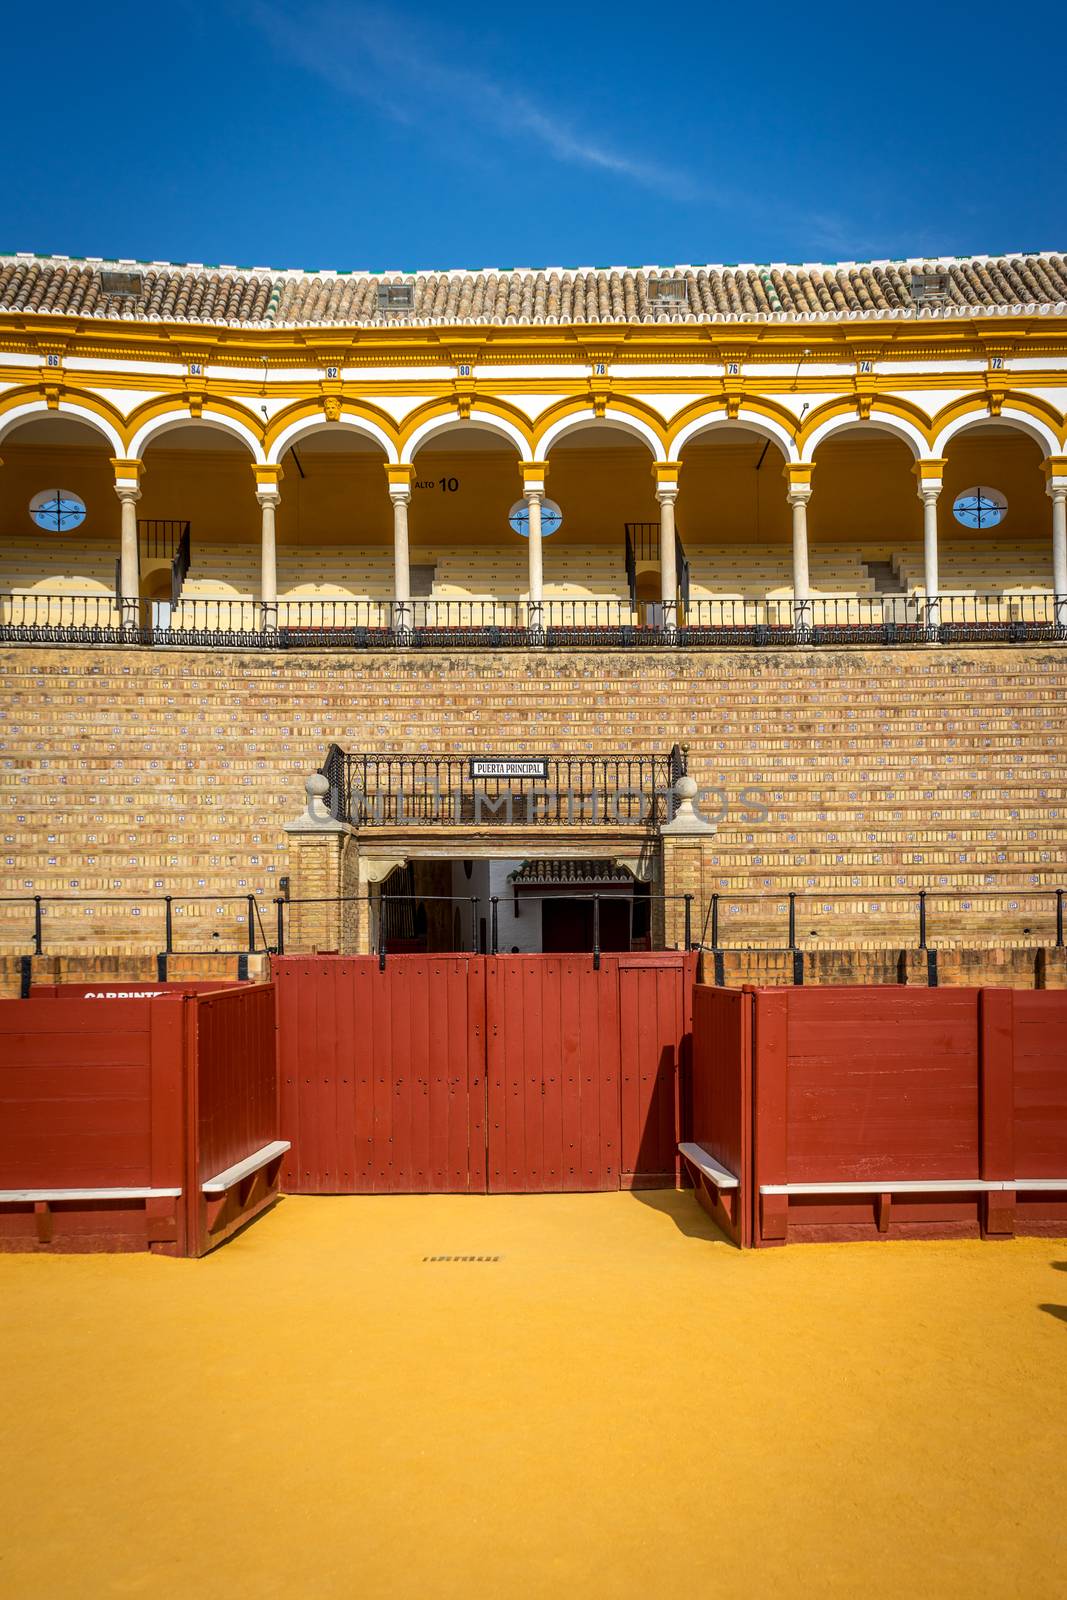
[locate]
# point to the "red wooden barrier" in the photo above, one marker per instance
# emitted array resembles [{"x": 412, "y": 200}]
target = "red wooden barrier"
[
  {"x": 655, "y": 1021},
  {"x": 111, "y": 1114},
  {"x": 552, "y": 1032},
  {"x": 721, "y": 1114},
  {"x": 382, "y": 1073},
  {"x": 458, "y": 1073},
  {"x": 233, "y": 1118},
  {"x": 92, "y": 1099},
  {"x": 876, "y": 1111}
]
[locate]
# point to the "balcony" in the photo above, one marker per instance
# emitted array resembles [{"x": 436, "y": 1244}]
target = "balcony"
[{"x": 433, "y": 624}]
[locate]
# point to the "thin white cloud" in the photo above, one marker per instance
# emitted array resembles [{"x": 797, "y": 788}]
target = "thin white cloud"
[{"x": 352, "y": 48}]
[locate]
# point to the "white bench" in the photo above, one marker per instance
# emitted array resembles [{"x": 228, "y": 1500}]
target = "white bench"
[
  {"x": 40, "y": 1196},
  {"x": 713, "y": 1170},
  {"x": 244, "y": 1169},
  {"x": 916, "y": 1186}
]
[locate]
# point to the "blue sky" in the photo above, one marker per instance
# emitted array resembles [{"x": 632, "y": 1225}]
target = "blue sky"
[{"x": 262, "y": 133}]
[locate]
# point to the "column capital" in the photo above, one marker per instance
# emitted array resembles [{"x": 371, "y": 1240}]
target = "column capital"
[
  {"x": 128, "y": 474},
  {"x": 1055, "y": 470},
  {"x": 400, "y": 476},
  {"x": 533, "y": 475},
  {"x": 929, "y": 474},
  {"x": 797, "y": 475},
  {"x": 268, "y": 480},
  {"x": 665, "y": 476}
]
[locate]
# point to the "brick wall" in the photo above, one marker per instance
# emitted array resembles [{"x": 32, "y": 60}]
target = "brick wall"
[{"x": 135, "y": 772}]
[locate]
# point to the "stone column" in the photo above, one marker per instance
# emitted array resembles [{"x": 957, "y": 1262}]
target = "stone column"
[
  {"x": 1056, "y": 488},
  {"x": 400, "y": 481},
  {"x": 798, "y": 479},
  {"x": 533, "y": 489},
  {"x": 929, "y": 475},
  {"x": 666, "y": 476},
  {"x": 128, "y": 475},
  {"x": 317, "y": 844},
  {"x": 687, "y": 842},
  {"x": 268, "y": 480}
]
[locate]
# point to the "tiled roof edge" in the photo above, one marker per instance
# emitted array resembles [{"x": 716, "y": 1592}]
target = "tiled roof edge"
[{"x": 298, "y": 274}]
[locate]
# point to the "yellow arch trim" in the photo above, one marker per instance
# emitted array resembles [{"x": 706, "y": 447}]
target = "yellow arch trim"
[
  {"x": 311, "y": 410},
  {"x": 841, "y": 406},
  {"x": 446, "y": 406},
  {"x": 1015, "y": 400},
  {"x": 212, "y": 404},
  {"x": 616, "y": 401},
  {"x": 33, "y": 395},
  {"x": 708, "y": 410}
]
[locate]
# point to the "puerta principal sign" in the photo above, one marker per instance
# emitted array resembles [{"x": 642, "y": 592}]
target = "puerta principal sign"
[{"x": 509, "y": 767}]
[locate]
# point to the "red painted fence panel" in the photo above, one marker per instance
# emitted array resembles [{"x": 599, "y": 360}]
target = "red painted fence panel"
[
  {"x": 231, "y": 1052},
  {"x": 388, "y": 1077},
  {"x": 382, "y": 1074},
  {"x": 655, "y": 1006},
  {"x": 721, "y": 1108},
  {"x": 91, "y": 1098},
  {"x": 552, "y": 1034},
  {"x": 145, "y": 1095},
  {"x": 880, "y": 1111}
]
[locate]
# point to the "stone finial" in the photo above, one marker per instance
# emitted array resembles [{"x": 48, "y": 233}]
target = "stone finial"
[
  {"x": 686, "y": 817},
  {"x": 316, "y": 817}
]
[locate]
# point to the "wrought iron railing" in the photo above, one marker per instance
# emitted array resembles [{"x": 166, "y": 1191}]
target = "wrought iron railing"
[
  {"x": 159, "y": 540},
  {"x": 905, "y": 919},
  {"x": 578, "y": 623},
  {"x": 515, "y": 790}
]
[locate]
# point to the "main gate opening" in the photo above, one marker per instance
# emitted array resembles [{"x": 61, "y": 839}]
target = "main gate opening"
[{"x": 514, "y": 906}]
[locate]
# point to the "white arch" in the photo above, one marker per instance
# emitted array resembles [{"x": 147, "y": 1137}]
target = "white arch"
[
  {"x": 1013, "y": 421},
  {"x": 299, "y": 430},
  {"x": 41, "y": 408},
  {"x": 884, "y": 421},
  {"x": 582, "y": 419},
  {"x": 485, "y": 419},
  {"x": 753, "y": 421},
  {"x": 181, "y": 419}
]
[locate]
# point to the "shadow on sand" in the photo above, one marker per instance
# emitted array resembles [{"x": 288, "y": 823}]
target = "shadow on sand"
[{"x": 685, "y": 1211}]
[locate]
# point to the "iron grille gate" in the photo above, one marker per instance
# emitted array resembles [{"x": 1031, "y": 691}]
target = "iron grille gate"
[{"x": 474, "y": 1074}]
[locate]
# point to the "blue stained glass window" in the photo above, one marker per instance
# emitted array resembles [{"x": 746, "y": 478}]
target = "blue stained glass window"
[
  {"x": 551, "y": 518},
  {"x": 57, "y": 510},
  {"x": 980, "y": 508}
]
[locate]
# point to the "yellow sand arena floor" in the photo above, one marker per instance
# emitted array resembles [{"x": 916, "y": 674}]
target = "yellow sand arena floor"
[{"x": 617, "y": 1404}]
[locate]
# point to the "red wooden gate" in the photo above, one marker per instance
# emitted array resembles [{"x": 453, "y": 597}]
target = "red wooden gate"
[
  {"x": 456, "y": 1074},
  {"x": 382, "y": 1074}
]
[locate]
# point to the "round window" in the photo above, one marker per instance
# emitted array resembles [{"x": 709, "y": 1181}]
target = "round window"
[
  {"x": 980, "y": 508},
  {"x": 551, "y": 518},
  {"x": 57, "y": 510}
]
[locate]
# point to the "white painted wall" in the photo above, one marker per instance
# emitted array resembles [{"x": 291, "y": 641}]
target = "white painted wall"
[{"x": 522, "y": 933}]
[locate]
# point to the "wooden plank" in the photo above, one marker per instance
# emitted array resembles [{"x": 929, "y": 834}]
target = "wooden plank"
[
  {"x": 244, "y": 1169},
  {"x": 552, "y": 981},
  {"x": 889, "y": 1185},
  {"x": 472, "y": 1076},
  {"x": 771, "y": 1140},
  {"x": 720, "y": 1176},
  {"x": 570, "y": 1099},
  {"x": 57, "y": 1196}
]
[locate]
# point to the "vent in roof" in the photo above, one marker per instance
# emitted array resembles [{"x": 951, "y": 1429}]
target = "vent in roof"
[
  {"x": 396, "y": 298},
  {"x": 930, "y": 288},
  {"x": 668, "y": 292},
  {"x": 123, "y": 285}
]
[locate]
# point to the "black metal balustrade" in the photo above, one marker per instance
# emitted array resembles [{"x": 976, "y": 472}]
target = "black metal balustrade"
[
  {"x": 432, "y": 624},
  {"x": 905, "y": 919},
  {"x": 160, "y": 540},
  {"x": 630, "y": 791}
]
